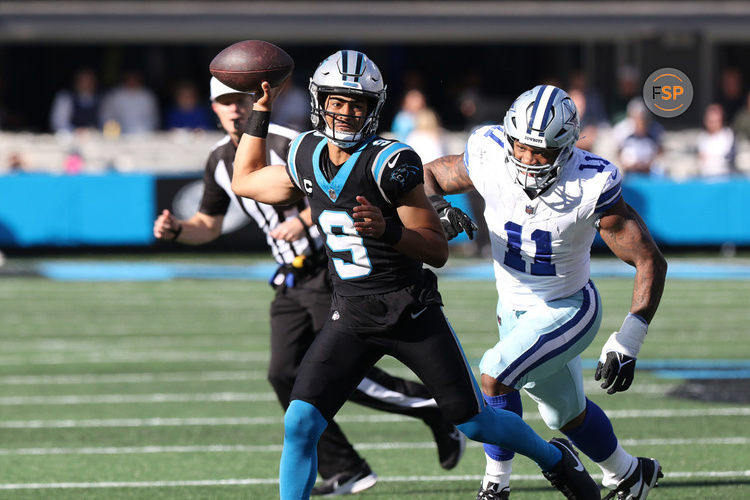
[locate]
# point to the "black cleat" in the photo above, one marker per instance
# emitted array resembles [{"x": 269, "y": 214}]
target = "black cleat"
[
  {"x": 450, "y": 442},
  {"x": 348, "y": 482},
  {"x": 638, "y": 483},
  {"x": 569, "y": 476},
  {"x": 493, "y": 492}
]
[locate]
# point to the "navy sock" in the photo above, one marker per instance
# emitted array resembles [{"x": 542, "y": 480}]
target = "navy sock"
[
  {"x": 303, "y": 425},
  {"x": 506, "y": 429},
  {"x": 511, "y": 402},
  {"x": 595, "y": 437}
]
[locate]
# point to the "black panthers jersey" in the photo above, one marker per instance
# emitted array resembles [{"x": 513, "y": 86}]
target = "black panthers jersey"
[
  {"x": 217, "y": 195},
  {"x": 382, "y": 171}
]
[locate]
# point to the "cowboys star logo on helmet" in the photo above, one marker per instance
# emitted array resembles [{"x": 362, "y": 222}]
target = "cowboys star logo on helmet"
[
  {"x": 543, "y": 118},
  {"x": 349, "y": 73}
]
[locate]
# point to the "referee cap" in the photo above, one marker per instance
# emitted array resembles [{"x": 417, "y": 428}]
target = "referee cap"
[{"x": 218, "y": 89}]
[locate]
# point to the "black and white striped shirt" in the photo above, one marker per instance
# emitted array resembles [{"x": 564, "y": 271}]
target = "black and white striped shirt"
[{"x": 217, "y": 195}]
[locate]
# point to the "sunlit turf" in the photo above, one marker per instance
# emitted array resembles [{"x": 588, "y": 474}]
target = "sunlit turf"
[{"x": 125, "y": 354}]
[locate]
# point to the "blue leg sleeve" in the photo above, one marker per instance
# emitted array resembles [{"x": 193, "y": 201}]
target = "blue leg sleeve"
[
  {"x": 595, "y": 437},
  {"x": 303, "y": 425},
  {"x": 506, "y": 429},
  {"x": 511, "y": 402}
]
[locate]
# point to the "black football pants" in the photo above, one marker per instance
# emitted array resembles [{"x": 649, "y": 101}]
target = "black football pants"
[{"x": 296, "y": 315}]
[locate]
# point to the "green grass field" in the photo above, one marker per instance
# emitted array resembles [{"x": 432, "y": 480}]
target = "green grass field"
[{"x": 157, "y": 390}]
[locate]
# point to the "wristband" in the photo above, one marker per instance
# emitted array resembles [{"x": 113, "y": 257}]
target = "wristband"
[
  {"x": 176, "y": 233},
  {"x": 438, "y": 202},
  {"x": 257, "y": 124},
  {"x": 393, "y": 232},
  {"x": 630, "y": 337},
  {"x": 304, "y": 224}
]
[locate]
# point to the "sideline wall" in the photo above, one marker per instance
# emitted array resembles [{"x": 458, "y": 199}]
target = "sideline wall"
[{"x": 117, "y": 209}]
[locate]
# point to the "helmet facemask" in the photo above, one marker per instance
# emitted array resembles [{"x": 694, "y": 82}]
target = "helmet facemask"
[
  {"x": 351, "y": 74},
  {"x": 537, "y": 178},
  {"x": 545, "y": 119}
]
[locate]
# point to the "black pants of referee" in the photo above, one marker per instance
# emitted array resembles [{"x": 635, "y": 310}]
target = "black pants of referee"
[{"x": 297, "y": 314}]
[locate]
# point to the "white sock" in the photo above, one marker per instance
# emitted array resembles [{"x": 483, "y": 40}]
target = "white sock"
[
  {"x": 617, "y": 466},
  {"x": 497, "y": 472}
]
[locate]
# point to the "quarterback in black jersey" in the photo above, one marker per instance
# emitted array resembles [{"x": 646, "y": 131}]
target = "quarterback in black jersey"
[
  {"x": 367, "y": 198},
  {"x": 302, "y": 299}
]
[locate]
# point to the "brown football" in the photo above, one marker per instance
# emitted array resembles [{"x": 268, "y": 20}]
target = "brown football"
[{"x": 245, "y": 65}]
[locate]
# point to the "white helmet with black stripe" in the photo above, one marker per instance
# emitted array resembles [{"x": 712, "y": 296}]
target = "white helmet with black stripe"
[
  {"x": 544, "y": 117},
  {"x": 352, "y": 73}
]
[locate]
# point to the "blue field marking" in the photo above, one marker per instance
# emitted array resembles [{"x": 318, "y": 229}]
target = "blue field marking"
[
  {"x": 140, "y": 271},
  {"x": 696, "y": 270},
  {"x": 706, "y": 369},
  {"x": 155, "y": 271},
  {"x": 683, "y": 369}
]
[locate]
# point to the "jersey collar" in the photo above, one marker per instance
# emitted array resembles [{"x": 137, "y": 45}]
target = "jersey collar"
[{"x": 333, "y": 189}]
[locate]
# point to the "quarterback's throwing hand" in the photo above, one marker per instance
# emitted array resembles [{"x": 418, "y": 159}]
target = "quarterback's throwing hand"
[{"x": 453, "y": 219}]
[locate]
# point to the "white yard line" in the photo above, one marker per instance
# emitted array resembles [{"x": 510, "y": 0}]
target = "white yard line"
[
  {"x": 137, "y": 398},
  {"x": 220, "y": 376},
  {"x": 276, "y": 448},
  {"x": 214, "y": 421},
  {"x": 385, "y": 479},
  {"x": 102, "y": 357},
  {"x": 131, "y": 378}
]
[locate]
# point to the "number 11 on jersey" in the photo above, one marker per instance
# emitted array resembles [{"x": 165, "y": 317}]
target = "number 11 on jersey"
[{"x": 542, "y": 265}]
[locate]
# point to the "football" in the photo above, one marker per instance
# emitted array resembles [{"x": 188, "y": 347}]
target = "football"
[{"x": 245, "y": 65}]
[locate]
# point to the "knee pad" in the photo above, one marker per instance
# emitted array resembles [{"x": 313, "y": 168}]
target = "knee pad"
[{"x": 303, "y": 423}]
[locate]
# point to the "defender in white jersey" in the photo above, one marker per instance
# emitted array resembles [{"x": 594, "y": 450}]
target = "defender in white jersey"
[{"x": 545, "y": 200}]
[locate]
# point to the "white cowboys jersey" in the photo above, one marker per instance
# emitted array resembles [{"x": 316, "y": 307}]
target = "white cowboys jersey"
[{"x": 541, "y": 247}]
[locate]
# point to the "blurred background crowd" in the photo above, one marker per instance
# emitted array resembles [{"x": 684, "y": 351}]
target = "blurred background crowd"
[
  {"x": 122, "y": 87},
  {"x": 93, "y": 127}
]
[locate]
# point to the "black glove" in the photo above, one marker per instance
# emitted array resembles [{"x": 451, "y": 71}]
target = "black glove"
[
  {"x": 453, "y": 219},
  {"x": 617, "y": 371}
]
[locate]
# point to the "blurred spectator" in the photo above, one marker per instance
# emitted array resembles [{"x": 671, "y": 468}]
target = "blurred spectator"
[
  {"x": 292, "y": 107},
  {"x": 716, "y": 149},
  {"x": 427, "y": 137},
  {"x": 476, "y": 107},
  {"x": 131, "y": 106},
  {"x": 588, "y": 128},
  {"x": 741, "y": 123},
  {"x": 405, "y": 120},
  {"x": 596, "y": 114},
  {"x": 731, "y": 97},
  {"x": 187, "y": 111},
  {"x": 74, "y": 162},
  {"x": 78, "y": 107},
  {"x": 16, "y": 163},
  {"x": 628, "y": 87},
  {"x": 638, "y": 139}
]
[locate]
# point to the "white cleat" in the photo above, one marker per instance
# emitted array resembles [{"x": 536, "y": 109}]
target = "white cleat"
[{"x": 638, "y": 483}]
